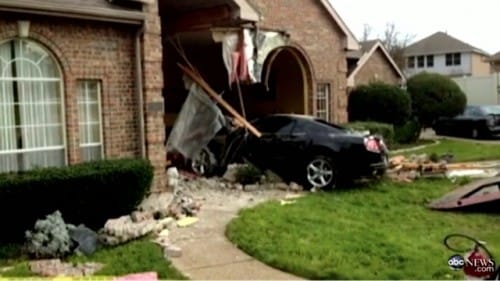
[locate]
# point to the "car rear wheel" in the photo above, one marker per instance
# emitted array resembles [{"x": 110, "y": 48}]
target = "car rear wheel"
[{"x": 321, "y": 173}]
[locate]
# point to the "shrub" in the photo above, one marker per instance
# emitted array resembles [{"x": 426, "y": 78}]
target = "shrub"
[
  {"x": 379, "y": 102},
  {"x": 407, "y": 133},
  {"x": 384, "y": 130},
  {"x": 433, "y": 96},
  {"x": 88, "y": 193},
  {"x": 248, "y": 174},
  {"x": 50, "y": 238}
]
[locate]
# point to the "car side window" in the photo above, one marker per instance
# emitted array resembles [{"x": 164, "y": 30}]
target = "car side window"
[
  {"x": 275, "y": 125},
  {"x": 473, "y": 112}
]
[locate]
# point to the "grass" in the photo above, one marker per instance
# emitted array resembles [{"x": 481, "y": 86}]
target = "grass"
[
  {"x": 419, "y": 142},
  {"x": 134, "y": 257},
  {"x": 382, "y": 231},
  {"x": 462, "y": 150}
]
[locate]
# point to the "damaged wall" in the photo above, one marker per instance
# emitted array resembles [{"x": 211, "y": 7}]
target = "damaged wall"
[{"x": 311, "y": 27}]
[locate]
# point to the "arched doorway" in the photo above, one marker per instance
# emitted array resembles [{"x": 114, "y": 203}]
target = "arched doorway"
[{"x": 288, "y": 77}]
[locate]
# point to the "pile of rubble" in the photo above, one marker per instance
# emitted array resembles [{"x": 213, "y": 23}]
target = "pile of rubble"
[
  {"x": 408, "y": 169},
  {"x": 54, "y": 267}
]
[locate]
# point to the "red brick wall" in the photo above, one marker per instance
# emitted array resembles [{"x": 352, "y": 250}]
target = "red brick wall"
[
  {"x": 377, "y": 68},
  {"x": 311, "y": 27},
  {"x": 89, "y": 50}
]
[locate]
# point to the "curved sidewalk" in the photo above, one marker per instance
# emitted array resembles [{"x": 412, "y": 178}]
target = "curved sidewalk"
[{"x": 208, "y": 255}]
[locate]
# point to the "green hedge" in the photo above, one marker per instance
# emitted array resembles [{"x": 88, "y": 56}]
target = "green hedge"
[
  {"x": 407, "y": 133},
  {"x": 385, "y": 130},
  {"x": 379, "y": 102},
  {"x": 88, "y": 193}
]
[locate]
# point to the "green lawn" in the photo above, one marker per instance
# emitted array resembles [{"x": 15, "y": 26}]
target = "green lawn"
[
  {"x": 462, "y": 150},
  {"x": 397, "y": 146},
  {"x": 382, "y": 231},
  {"x": 134, "y": 257}
]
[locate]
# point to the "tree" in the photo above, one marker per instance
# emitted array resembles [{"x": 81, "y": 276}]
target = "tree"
[
  {"x": 434, "y": 95},
  {"x": 393, "y": 40}
]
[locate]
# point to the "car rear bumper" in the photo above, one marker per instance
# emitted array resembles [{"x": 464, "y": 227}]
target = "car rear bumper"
[{"x": 374, "y": 166}]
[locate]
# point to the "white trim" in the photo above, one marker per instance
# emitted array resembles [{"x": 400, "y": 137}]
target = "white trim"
[
  {"x": 46, "y": 148},
  {"x": 364, "y": 59},
  {"x": 352, "y": 42},
  {"x": 86, "y": 101}
]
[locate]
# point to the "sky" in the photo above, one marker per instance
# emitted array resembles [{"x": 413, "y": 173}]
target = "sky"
[{"x": 475, "y": 22}]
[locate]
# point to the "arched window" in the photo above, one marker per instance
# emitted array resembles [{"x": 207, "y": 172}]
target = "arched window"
[{"x": 31, "y": 112}]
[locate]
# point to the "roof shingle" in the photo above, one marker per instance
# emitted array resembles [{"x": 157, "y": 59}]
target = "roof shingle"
[{"x": 440, "y": 43}]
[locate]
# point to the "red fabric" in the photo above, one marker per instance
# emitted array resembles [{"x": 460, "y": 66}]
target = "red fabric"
[{"x": 239, "y": 69}]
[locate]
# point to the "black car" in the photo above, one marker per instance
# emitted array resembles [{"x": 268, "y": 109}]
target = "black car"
[
  {"x": 480, "y": 121},
  {"x": 304, "y": 149}
]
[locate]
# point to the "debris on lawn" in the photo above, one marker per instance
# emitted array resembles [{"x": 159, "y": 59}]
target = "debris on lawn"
[
  {"x": 187, "y": 221},
  {"x": 123, "y": 229},
  {"x": 86, "y": 239},
  {"x": 172, "y": 251},
  {"x": 287, "y": 202},
  {"x": 408, "y": 169},
  {"x": 480, "y": 195},
  {"x": 56, "y": 268}
]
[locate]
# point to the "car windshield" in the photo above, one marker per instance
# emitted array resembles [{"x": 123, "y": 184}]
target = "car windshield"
[{"x": 491, "y": 109}]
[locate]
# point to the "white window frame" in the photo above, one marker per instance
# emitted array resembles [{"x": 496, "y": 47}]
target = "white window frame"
[
  {"x": 62, "y": 102},
  {"x": 323, "y": 96},
  {"x": 83, "y": 124}
]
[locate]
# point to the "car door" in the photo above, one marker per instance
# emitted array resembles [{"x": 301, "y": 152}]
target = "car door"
[{"x": 269, "y": 147}]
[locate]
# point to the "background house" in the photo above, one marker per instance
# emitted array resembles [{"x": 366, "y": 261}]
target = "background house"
[
  {"x": 495, "y": 62},
  {"x": 373, "y": 63},
  {"x": 444, "y": 54}
]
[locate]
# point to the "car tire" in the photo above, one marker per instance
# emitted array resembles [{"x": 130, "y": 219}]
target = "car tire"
[
  {"x": 205, "y": 164},
  {"x": 320, "y": 172}
]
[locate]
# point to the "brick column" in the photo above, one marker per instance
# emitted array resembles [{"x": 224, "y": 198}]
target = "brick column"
[{"x": 153, "y": 99}]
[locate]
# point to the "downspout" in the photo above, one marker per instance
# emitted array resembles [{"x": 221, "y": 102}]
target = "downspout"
[{"x": 139, "y": 91}]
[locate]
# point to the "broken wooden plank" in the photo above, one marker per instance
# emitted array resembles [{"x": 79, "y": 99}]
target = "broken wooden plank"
[{"x": 220, "y": 100}]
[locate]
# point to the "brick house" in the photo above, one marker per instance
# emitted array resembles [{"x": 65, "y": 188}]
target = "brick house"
[
  {"x": 306, "y": 75},
  {"x": 373, "y": 63},
  {"x": 91, "y": 79},
  {"x": 80, "y": 81}
]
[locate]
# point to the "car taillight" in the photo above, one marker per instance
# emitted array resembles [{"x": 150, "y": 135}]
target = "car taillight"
[{"x": 373, "y": 145}]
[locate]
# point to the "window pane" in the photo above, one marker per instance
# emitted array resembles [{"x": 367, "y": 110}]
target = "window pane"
[
  {"x": 90, "y": 120},
  {"x": 91, "y": 153}
]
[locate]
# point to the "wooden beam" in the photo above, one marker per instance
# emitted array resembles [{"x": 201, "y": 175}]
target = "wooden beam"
[{"x": 197, "y": 79}]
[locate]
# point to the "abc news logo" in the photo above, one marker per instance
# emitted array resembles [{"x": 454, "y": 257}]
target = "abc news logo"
[{"x": 457, "y": 262}]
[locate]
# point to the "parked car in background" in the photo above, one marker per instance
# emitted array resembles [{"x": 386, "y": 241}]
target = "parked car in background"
[
  {"x": 481, "y": 121},
  {"x": 303, "y": 149}
]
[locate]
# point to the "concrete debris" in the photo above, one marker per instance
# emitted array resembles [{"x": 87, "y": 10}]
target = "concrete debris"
[
  {"x": 123, "y": 229},
  {"x": 55, "y": 268},
  {"x": 172, "y": 251},
  {"x": 138, "y": 216},
  {"x": 287, "y": 202}
]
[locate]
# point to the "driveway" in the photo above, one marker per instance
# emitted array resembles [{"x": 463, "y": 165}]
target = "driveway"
[{"x": 430, "y": 134}]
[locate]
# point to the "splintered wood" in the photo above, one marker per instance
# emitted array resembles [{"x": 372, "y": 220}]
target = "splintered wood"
[{"x": 407, "y": 169}]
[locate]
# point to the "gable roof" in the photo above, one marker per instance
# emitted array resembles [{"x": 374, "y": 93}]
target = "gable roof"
[
  {"x": 440, "y": 43},
  {"x": 352, "y": 42},
  {"x": 369, "y": 48},
  {"x": 495, "y": 57},
  {"x": 101, "y": 10}
]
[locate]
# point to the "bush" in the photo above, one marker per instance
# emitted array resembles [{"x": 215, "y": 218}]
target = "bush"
[
  {"x": 407, "y": 133},
  {"x": 433, "y": 96},
  {"x": 88, "y": 193},
  {"x": 50, "y": 238},
  {"x": 384, "y": 130},
  {"x": 248, "y": 174},
  {"x": 379, "y": 102}
]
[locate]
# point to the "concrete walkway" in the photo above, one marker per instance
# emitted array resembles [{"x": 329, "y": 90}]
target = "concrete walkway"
[{"x": 208, "y": 255}]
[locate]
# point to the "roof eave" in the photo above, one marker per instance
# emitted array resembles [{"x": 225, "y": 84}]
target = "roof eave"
[{"x": 70, "y": 11}]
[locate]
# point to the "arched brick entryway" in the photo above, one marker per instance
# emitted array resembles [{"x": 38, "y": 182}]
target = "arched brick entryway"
[{"x": 288, "y": 77}]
